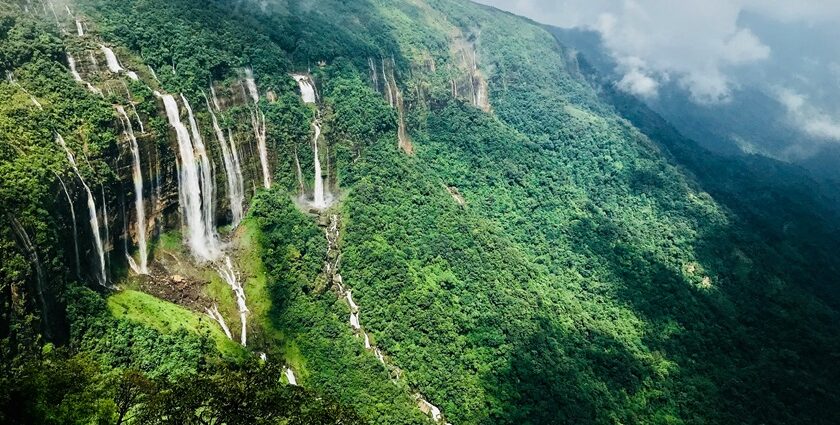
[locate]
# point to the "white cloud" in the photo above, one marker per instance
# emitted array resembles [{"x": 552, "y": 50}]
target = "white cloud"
[
  {"x": 696, "y": 42},
  {"x": 808, "y": 118}
]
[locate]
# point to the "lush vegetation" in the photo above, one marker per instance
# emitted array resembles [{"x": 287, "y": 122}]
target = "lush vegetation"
[{"x": 564, "y": 258}]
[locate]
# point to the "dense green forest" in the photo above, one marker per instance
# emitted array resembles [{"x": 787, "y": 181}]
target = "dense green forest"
[{"x": 535, "y": 247}]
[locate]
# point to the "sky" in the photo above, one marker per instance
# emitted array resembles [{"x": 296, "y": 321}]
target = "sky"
[{"x": 711, "y": 47}]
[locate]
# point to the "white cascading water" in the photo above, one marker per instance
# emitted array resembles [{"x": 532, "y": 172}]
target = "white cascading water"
[
  {"x": 208, "y": 186},
  {"x": 258, "y": 122},
  {"x": 234, "y": 176},
  {"x": 431, "y": 408},
  {"x": 114, "y": 64},
  {"x": 367, "y": 341},
  {"x": 76, "y": 76},
  {"x": 318, "y": 200},
  {"x": 237, "y": 165},
  {"x": 352, "y": 304},
  {"x": 387, "y": 85},
  {"x": 227, "y": 272},
  {"x": 154, "y": 75},
  {"x": 290, "y": 375},
  {"x": 252, "y": 86},
  {"x": 111, "y": 59},
  {"x": 189, "y": 188},
  {"x": 73, "y": 217},
  {"x": 139, "y": 206},
  {"x": 215, "y": 315},
  {"x": 307, "y": 89},
  {"x": 94, "y": 220},
  {"x": 80, "y": 30},
  {"x": 215, "y": 99},
  {"x": 354, "y": 321},
  {"x": 105, "y": 222},
  {"x": 307, "y": 93}
]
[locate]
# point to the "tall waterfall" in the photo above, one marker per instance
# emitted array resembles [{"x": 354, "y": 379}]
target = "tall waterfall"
[
  {"x": 236, "y": 189},
  {"x": 139, "y": 207},
  {"x": 318, "y": 200},
  {"x": 237, "y": 165},
  {"x": 105, "y": 221},
  {"x": 307, "y": 94},
  {"x": 215, "y": 99},
  {"x": 80, "y": 30},
  {"x": 94, "y": 220},
  {"x": 227, "y": 272},
  {"x": 259, "y": 131},
  {"x": 73, "y": 217},
  {"x": 71, "y": 62},
  {"x": 200, "y": 235},
  {"x": 208, "y": 185},
  {"x": 258, "y": 122},
  {"x": 39, "y": 271}
]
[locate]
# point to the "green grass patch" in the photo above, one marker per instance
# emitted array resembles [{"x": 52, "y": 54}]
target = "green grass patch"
[{"x": 168, "y": 317}]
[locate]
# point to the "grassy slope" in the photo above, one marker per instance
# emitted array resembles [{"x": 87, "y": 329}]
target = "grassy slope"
[{"x": 169, "y": 318}]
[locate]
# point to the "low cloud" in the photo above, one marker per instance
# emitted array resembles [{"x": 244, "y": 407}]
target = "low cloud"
[
  {"x": 810, "y": 119},
  {"x": 697, "y": 43}
]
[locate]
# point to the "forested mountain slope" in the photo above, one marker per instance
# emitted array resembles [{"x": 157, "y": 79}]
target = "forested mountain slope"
[{"x": 380, "y": 211}]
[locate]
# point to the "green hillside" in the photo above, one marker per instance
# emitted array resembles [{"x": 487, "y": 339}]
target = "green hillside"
[{"x": 521, "y": 244}]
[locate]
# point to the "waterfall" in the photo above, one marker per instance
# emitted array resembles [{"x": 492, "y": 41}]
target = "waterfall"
[
  {"x": 73, "y": 217},
  {"x": 307, "y": 93},
  {"x": 237, "y": 165},
  {"x": 367, "y": 342},
  {"x": 258, "y": 122},
  {"x": 354, "y": 321},
  {"x": 111, "y": 59},
  {"x": 227, "y": 273},
  {"x": 208, "y": 186},
  {"x": 154, "y": 75},
  {"x": 105, "y": 222},
  {"x": 233, "y": 173},
  {"x": 79, "y": 29},
  {"x": 137, "y": 178},
  {"x": 307, "y": 89},
  {"x": 198, "y": 236},
  {"x": 373, "y": 76},
  {"x": 39, "y": 271},
  {"x": 114, "y": 64},
  {"x": 94, "y": 220},
  {"x": 215, "y": 99},
  {"x": 429, "y": 409},
  {"x": 215, "y": 315},
  {"x": 71, "y": 62},
  {"x": 387, "y": 84},
  {"x": 252, "y": 86},
  {"x": 353, "y": 306},
  {"x": 318, "y": 200},
  {"x": 93, "y": 61},
  {"x": 290, "y": 375}
]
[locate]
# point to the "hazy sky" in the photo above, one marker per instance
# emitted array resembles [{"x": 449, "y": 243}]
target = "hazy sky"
[
  {"x": 696, "y": 42},
  {"x": 788, "y": 48}
]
